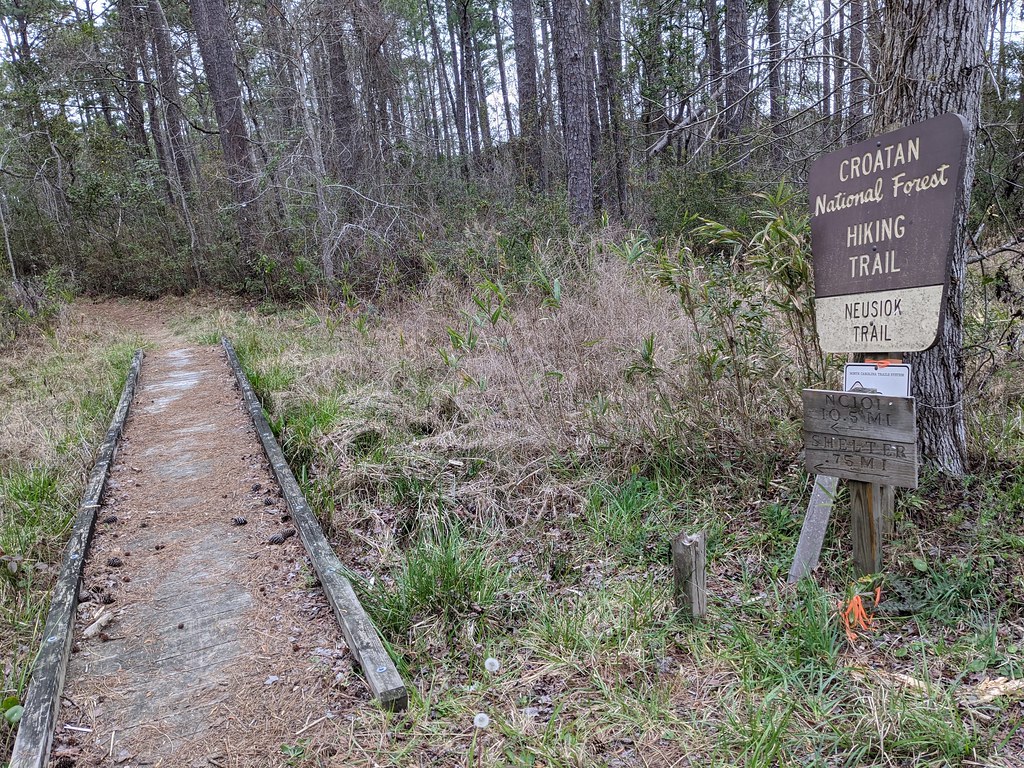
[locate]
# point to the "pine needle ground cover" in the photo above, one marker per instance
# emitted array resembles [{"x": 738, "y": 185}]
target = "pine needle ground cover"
[{"x": 501, "y": 462}]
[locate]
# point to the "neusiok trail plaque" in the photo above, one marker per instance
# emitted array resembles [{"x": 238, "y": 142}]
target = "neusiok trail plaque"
[
  {"x": 860, "y": 436},
  {"x": 882, "y": 235}
]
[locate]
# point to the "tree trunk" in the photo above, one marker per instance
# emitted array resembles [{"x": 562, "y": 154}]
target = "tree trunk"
[
  {"x": 156, "y": 128},
  {"x": 609, "y": 29},
  {"x": 596, "y": 126},
  {"x": 392, "y": 91},
  {"x": 213, "y": 33},
  {"x": 839, "y": 91},
  {"x": 127, "y": 41},
  {"x": 170, "y": 95},
  {"x": 651, "y": 54},
  {"x": 449, "y": 103},
  {"x": 282, "y": 66},
  {"x": 468, "y": 76},
  {"x": 775, "y": 93},
  {"x": 426, "y": 98},
  {"x": 481, "y": 93},
  {"x": 344, "y": 158},
  {"x": 932, "y": 62},
  {"x": 327, "y": 219},
  {"x": 525, "y": 43},
  {"x": 826, "y": 69},
  {"x": 547, "y": 77},
  {"x": 458, "y": 84},
  {"x": 737, "y": 67},
  {"x": 373, "y": 27},
  {"x": 499, "y": 49},
  {"x": 857, "y": 80},
  {"x": 574, "y": 93},
  {"x": 713, "y": 43}
]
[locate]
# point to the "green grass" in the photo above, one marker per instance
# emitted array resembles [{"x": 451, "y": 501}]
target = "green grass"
[
  {"x": 59, "y": 391},
  {"x": 447, "y": 580},
  {"x": 522, "y": 521}
]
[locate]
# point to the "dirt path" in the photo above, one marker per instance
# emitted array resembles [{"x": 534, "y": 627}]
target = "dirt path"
[{"x": 220, "y": 647}]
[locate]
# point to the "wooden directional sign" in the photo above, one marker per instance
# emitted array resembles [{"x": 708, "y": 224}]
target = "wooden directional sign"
[
  {"x": 856, "y": 436},
  {"x": 882, "y": 234}
]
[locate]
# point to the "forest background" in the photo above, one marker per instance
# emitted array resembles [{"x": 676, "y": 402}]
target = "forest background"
[
  {"x": 534, "y": 277},
  {"x": 280, "y": 147}
]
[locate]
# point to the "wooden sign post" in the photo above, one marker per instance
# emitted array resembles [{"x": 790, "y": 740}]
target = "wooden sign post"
[
  {"x": 881, "y": 235},
  {"x": 869, "y": 440}
]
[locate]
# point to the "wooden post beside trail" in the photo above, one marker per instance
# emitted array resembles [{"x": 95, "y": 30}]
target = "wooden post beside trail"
[
  {"x": 871, "y": 506},
  {"x": 812, "y": 533},
  {"x": 689, "y": 567},
  {"x": 885, "y": 516}
]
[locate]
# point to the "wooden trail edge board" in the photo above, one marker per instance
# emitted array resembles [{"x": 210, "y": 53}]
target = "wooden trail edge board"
[
  {"x": 812, "y": 533},
  {"x": 35, "y": 732},
  {"x": 360, "y": 633}
]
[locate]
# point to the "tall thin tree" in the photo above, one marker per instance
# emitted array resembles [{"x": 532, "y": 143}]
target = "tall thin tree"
[{"x": 574, "y": 86}]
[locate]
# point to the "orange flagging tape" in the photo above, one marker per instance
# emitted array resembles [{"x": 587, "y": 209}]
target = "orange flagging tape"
[{"x": 856, "y": 616}]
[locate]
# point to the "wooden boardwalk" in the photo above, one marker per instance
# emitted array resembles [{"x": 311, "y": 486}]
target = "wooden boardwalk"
[{"x": 220, "y": 646}]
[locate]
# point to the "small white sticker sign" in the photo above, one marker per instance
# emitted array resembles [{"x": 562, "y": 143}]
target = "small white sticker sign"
[{"x": 892, "y": 380}]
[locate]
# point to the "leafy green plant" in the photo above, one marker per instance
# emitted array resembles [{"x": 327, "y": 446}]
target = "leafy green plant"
[
  {"x": 12, "y": 710},
  {"x": 294, "y": 754}
]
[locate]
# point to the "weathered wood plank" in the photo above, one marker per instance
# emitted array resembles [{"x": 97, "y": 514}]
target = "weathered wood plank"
[
  {"x": 860, "y": 415},
  {"x": 690, "y": 574},
  {"x": 861, "y": 436},
  {"x": 866, "y": 460},
  {"x": 35, "y": 732},
  {"x": 865, "y": 521},
  {"x": 362, "y": 637},
  {"x": 812, "y": 533},
  {"x": 888, "y": 511}
]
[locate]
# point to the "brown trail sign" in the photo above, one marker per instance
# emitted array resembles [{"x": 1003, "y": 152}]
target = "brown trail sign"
[
  {"x": 860, "y": 436},
  {"x": 882, "y": 234}
]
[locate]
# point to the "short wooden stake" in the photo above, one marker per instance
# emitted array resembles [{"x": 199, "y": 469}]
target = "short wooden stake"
[
  {"x": 866, "y": 522},
  {"x": 689, "y": 565}
]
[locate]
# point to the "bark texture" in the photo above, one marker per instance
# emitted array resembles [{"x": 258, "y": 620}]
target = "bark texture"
[
  {"x": 525, "y": 41},
  {"x": 932, "y": 62},
  {"x": 774, "y": 33},
  {"x": 609, "y": 88},
  {"x": 737, "y": 66},
  {"x": 213, "y": 32},
  {"x": 344, "y": 159},
  {"x": 574, "y": 94}
]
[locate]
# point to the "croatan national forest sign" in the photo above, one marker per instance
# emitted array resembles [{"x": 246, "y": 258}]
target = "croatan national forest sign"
[{"x": 882, "y": 234}]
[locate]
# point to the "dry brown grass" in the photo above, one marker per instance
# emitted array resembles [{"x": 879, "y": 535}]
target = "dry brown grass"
[
  {"x": 569, "y": 485},
  {"x": 546, "y": 382}
]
